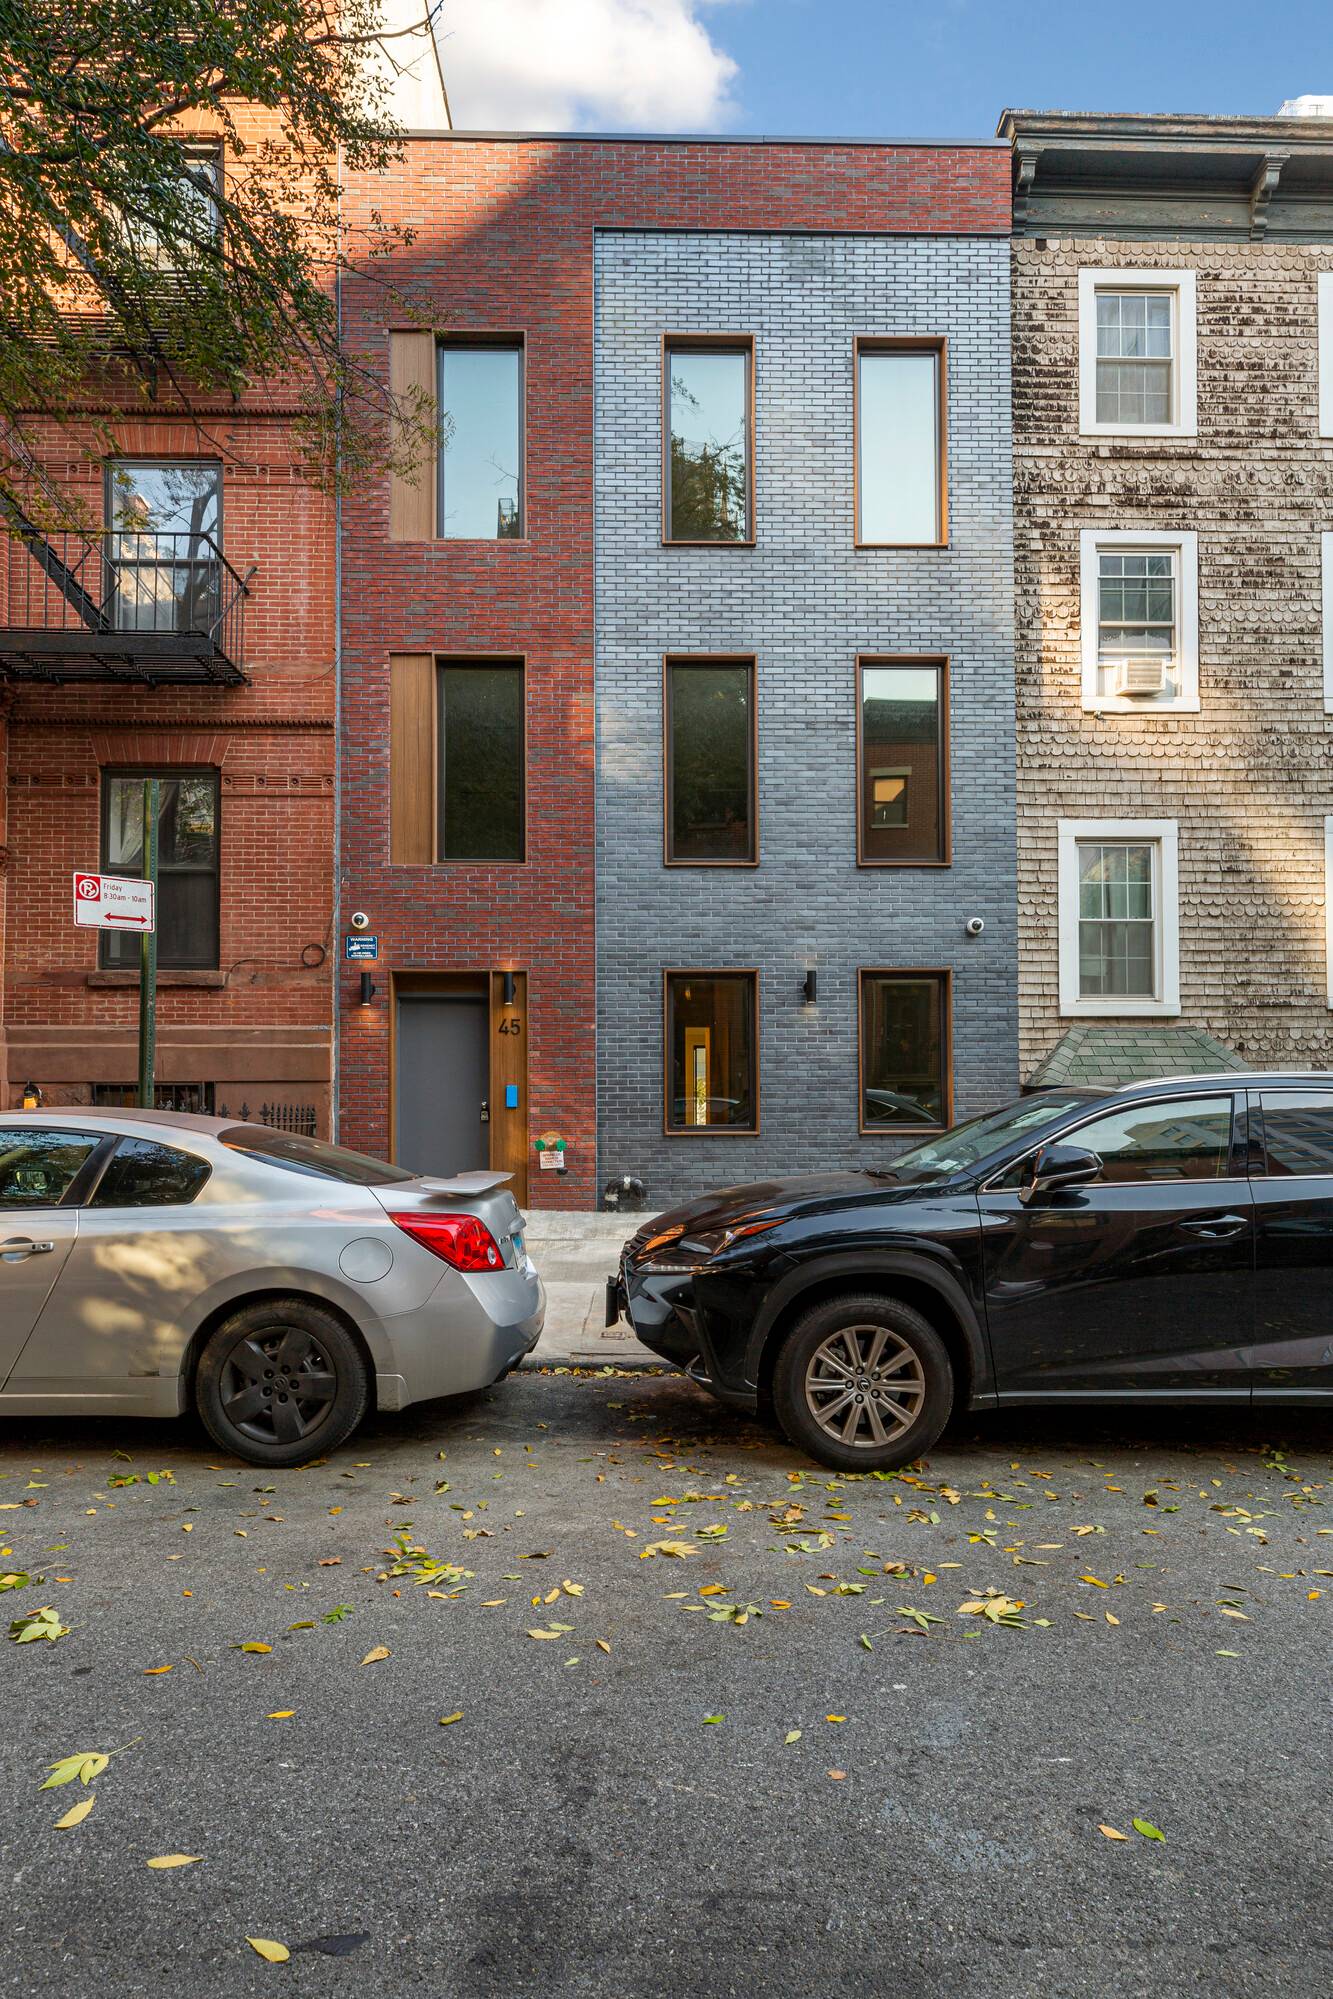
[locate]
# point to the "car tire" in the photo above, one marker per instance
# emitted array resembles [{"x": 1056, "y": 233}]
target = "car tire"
[
  {"x": 281, "y": 1381},
  {"x": 892, "y": 1407}
]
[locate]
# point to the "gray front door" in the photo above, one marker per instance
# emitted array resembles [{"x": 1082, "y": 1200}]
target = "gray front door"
[{"x": 443, "y": 1077}]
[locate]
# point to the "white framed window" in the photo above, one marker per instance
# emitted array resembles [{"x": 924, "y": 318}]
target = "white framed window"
[
  {"x": 1119, "y": 918},
  {"x": 1139, "y": 620},
  {"x": 1326, "y": 554},
  {"x": 1328, "y": 903},
  {"x": 1136, "y": 345},
  {"x": 1326, "y": 353}
]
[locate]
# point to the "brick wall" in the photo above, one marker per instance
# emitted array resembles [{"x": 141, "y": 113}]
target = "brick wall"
[
  {"x": 505, "y": 242},
  {"x": 260, "y": 1027},
  {"x": 1250, "y": 777},
  {"x": 805, "y": 602}
]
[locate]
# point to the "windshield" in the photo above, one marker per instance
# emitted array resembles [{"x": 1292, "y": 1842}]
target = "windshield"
[
  {"x": 311, "y": 1156},
  {"x": 967, "y": 1144}
]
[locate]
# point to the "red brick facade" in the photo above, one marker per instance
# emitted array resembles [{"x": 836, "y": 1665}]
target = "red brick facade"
[
  {"x": 258, "y": 1028},
  {"x": 504, "y": 243}
]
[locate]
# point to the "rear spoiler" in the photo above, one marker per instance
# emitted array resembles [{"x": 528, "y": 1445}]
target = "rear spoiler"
[{"x": 463, "y": 1183}]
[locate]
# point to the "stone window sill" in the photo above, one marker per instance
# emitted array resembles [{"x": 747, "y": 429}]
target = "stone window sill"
[{"x": 207, "y": 981}]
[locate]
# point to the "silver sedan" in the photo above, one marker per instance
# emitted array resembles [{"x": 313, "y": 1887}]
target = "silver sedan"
[{"x": 150, "y": 1260}]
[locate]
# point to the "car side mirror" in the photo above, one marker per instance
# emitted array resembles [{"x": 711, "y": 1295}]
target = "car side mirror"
[{"x": 1058, "y": 1166}]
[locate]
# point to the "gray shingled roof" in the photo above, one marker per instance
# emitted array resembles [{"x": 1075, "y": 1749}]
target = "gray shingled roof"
[{"x": 1127, "y": 1053}]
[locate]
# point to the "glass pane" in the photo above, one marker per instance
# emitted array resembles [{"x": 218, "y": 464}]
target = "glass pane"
[
  {"x": 482, "y": 459},
  {"x": 1298, "y": 1131},
  {"x": 164, "y": 546},
  {"x": 710, "y": 756},
  {"x": 898, "y": 451},
  {"x": 187, "y": 883},
  {"x": 481, "y": 762},
  {"x": 145, "y": 1174},
  {"x": 36, "y": 1167},
  {"x": 709, "y": 474},
  {"x": 902, "y": 1050},
  {"x": 311, "y": 1157},
  {"x": 177, "y": 499},
  {"x": 901, "y": 763},
  {"x": 710, "y": 1051},
  {"x": 1131, "y": 392},
  {"x": 1180, "y": 1141}
]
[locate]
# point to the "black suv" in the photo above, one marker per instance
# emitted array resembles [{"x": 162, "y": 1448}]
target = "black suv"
[{"x": 1164, "y": 1242}]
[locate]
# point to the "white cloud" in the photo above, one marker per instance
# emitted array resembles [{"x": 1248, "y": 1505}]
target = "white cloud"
[{"x": 571, "y": 65}]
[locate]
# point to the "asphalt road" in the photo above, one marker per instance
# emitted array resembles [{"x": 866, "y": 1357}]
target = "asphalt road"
[{"x": 585, "y": 1828}]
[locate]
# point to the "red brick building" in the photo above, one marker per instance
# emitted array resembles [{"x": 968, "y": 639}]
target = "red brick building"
[{"x": 486, "y": 964}]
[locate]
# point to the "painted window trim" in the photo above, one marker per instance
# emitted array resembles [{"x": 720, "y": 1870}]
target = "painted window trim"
[
  {"x": 1186, "y": 543},
  {"x": 1325, "y": 303},
  {"x": 1164, "y": 834},
  {"x": 1326, "y": 559},
  {"x": 1328, "y": 905},
  {"x": 1185, "y": 384}
]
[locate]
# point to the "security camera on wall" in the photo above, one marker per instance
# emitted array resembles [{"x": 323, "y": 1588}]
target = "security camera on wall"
[{"x": 360, "y": 921}]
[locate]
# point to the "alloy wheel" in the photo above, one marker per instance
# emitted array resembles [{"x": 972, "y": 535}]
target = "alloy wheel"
[
  {"x": 277, "y": 1384},
  {"x": 865, "y": 1386}
]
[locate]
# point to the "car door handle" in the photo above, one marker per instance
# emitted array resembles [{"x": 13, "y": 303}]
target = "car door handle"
[
  {"x": 1216, "y": 1228},
  {"x": 20, "y": 1247}
]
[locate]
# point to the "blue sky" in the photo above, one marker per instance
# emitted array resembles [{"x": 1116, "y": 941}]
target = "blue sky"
[{"x": 874, "y": 67}]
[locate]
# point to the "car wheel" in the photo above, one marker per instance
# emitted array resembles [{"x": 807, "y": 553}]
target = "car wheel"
[
  {"x": 862, "y": 1384},
  {"x": 280, "y": 1382}
]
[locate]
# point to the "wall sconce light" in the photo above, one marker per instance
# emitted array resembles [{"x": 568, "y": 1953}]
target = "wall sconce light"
[
  {"x": 32, "y": 1097},
  {"x": 810, "y": 989},
  {"x": 368, "y": 989},
  {"x": 509, "y": 988}
]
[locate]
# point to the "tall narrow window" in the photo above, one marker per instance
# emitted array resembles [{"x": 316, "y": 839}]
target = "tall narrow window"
[
  {"x": 1119, "y": 924},
  {"x": 900, "y": 444},
  {"x": 711, "y": 1039},
  {"x": 710, "y": 762},
  {"x": 708, "y": 481},
  {"x": 902, "y": 763},
  {"x": 905, "y": 1057},
  {"x": 481, "y": 462},
  {"x": 187, "y": 864},
  {"x": 481, "y": 754},
  {"x": 164, "y": 535},
  {"x": 1137, "y": 353}
]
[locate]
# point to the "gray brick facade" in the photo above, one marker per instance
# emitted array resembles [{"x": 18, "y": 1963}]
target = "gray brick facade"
[{"x": 804, "y": 601}]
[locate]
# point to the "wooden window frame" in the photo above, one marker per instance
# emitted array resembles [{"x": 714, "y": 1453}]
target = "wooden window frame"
[
  {"x": 708, "y": 343},
  {"x": 941, "y": 661},
  {"x": 456, "y": 338},
  {"x": 906, "y": 343},
  {"x": 670, "y": 972},
  {"x": 749, "y": 661},
  {"x": 1182, "y": 287},
  {"x": 443, "y": 661},
  {"x": 944, "y": 975},
  {"x": 164, "y": 773}
]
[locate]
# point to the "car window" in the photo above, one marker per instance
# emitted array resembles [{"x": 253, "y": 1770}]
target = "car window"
[
  {"x": 311, "y": 1156},
  {"x": 37, "y": 1168},
  {"x": 146, "y": 1174},
  {"x": 967, "y": 1144},
  {"x": 1298, "y": 1130},
  {"x": 1188, "y": 1139}
]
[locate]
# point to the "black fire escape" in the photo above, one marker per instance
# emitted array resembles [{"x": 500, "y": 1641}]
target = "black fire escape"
[{"x": 124, "y": 605}]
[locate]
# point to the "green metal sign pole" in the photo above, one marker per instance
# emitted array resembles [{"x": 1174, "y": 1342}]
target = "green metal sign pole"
[{"x": 148, "y": 956}]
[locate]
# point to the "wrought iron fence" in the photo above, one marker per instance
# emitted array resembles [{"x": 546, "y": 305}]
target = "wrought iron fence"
[{"x": 299, "y": 1119}]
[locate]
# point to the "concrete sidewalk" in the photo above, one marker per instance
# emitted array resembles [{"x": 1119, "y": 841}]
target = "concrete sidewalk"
[{"x": 576, "y": 1251}]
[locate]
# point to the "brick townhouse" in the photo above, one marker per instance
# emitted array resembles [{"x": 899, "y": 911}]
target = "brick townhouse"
[
  {"x": 1173, "y": 455},
  {"x": 677, "y": 698},
  {"x": 185, "y": 631}
]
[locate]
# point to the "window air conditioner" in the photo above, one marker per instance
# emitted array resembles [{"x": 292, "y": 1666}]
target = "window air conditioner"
[{"x": 1141, "y": 676}]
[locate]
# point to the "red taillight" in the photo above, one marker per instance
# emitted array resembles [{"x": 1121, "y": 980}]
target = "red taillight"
[{"x": 461, "y": 1240}]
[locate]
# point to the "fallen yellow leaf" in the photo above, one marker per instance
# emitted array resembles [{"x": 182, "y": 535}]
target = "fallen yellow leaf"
[
  {"x": 281, "y": 1714},
  {"x": 837, "y": 1775},
  {"x": 835, "y": 1717},
  {"x": 446, "y": 1719},
  {"x": 276, "y": 1953},
  {"x": 1110, "y": 1619},
  {"x": 713, "y": 1589},
  {"x": 543, "y": 1634},
  {"x": 165, "y": 1860},
  {"x": 150, "y": 1671},
  {"x": 372, "y": 1659},
  {"x": 1109, "y": 1832},
  {"x": 77, "y": 1813},
  {"x": 602, "y": 1645}
]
